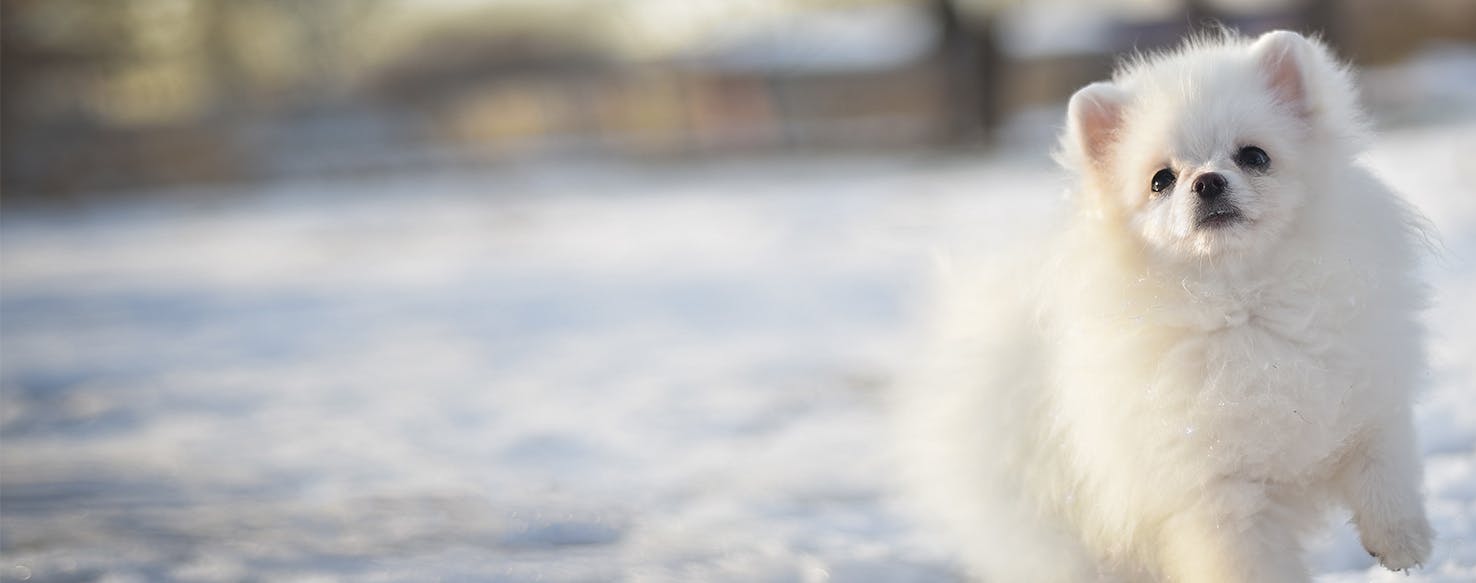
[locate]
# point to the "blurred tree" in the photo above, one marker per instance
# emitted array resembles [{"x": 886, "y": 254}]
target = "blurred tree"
[{"x": 974, "y": 63}]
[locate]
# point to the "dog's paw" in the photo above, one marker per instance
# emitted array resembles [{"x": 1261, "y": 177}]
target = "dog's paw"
[{"x": 1400, "y": 546}]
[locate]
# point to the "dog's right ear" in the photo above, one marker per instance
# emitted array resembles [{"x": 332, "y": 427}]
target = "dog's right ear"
[
  {"x": 1092, "y": 121},
  {"x": 1284, "y": 58}
]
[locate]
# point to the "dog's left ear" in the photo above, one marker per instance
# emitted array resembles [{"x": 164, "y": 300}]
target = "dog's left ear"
[
  {"x": 1092, "y": 119},
  {"x": 1284, "y": 57}
]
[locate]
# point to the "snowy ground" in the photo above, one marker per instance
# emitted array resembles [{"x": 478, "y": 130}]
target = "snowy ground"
[{"x": 637, "y": 374}]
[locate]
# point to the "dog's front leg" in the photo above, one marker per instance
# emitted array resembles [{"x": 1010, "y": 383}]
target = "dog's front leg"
[
  {"x": 1380, "y": 480},
  {"x": 1231, "y": 534}
]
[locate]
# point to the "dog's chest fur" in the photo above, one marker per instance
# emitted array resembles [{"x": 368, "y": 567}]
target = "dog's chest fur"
[
  {"x": 1269, "y": 389},
  {"x": 1256, "y": 378}
]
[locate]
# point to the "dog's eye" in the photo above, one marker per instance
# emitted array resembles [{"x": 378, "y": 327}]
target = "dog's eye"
[
  {"x": 1162, "y": 180},
  {"x": 1252, "y": 157}
]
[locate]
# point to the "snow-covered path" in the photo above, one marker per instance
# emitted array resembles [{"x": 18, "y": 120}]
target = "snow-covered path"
[{"x": 610, "y": 374}]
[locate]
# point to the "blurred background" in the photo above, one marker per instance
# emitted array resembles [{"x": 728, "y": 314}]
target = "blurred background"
[
  {"x": 141, "y": 93},
  {"x": 568, "y": 290}
]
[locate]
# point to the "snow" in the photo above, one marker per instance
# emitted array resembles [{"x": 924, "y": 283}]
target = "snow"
[{"x": 581, "y": 373}]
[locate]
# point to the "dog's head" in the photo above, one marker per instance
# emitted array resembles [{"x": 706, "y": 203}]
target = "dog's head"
[{"x": 1212, "y": 150}]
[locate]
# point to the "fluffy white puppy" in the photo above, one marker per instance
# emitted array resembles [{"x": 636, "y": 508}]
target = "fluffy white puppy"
[{"x": 1218, "y": 346}]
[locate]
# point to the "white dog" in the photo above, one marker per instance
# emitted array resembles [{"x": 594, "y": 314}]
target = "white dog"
[{"x": 1218, "y": 346}]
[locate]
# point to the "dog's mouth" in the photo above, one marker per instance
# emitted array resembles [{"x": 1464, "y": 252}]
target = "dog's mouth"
[{"x": 1219, "y": 217}]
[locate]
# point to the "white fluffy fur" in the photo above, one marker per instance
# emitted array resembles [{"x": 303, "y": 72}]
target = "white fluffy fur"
[{"x": 1139, "y": 399}]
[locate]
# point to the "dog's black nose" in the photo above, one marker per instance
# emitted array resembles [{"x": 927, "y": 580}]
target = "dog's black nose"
[{"x": 1209, "y": 185}]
